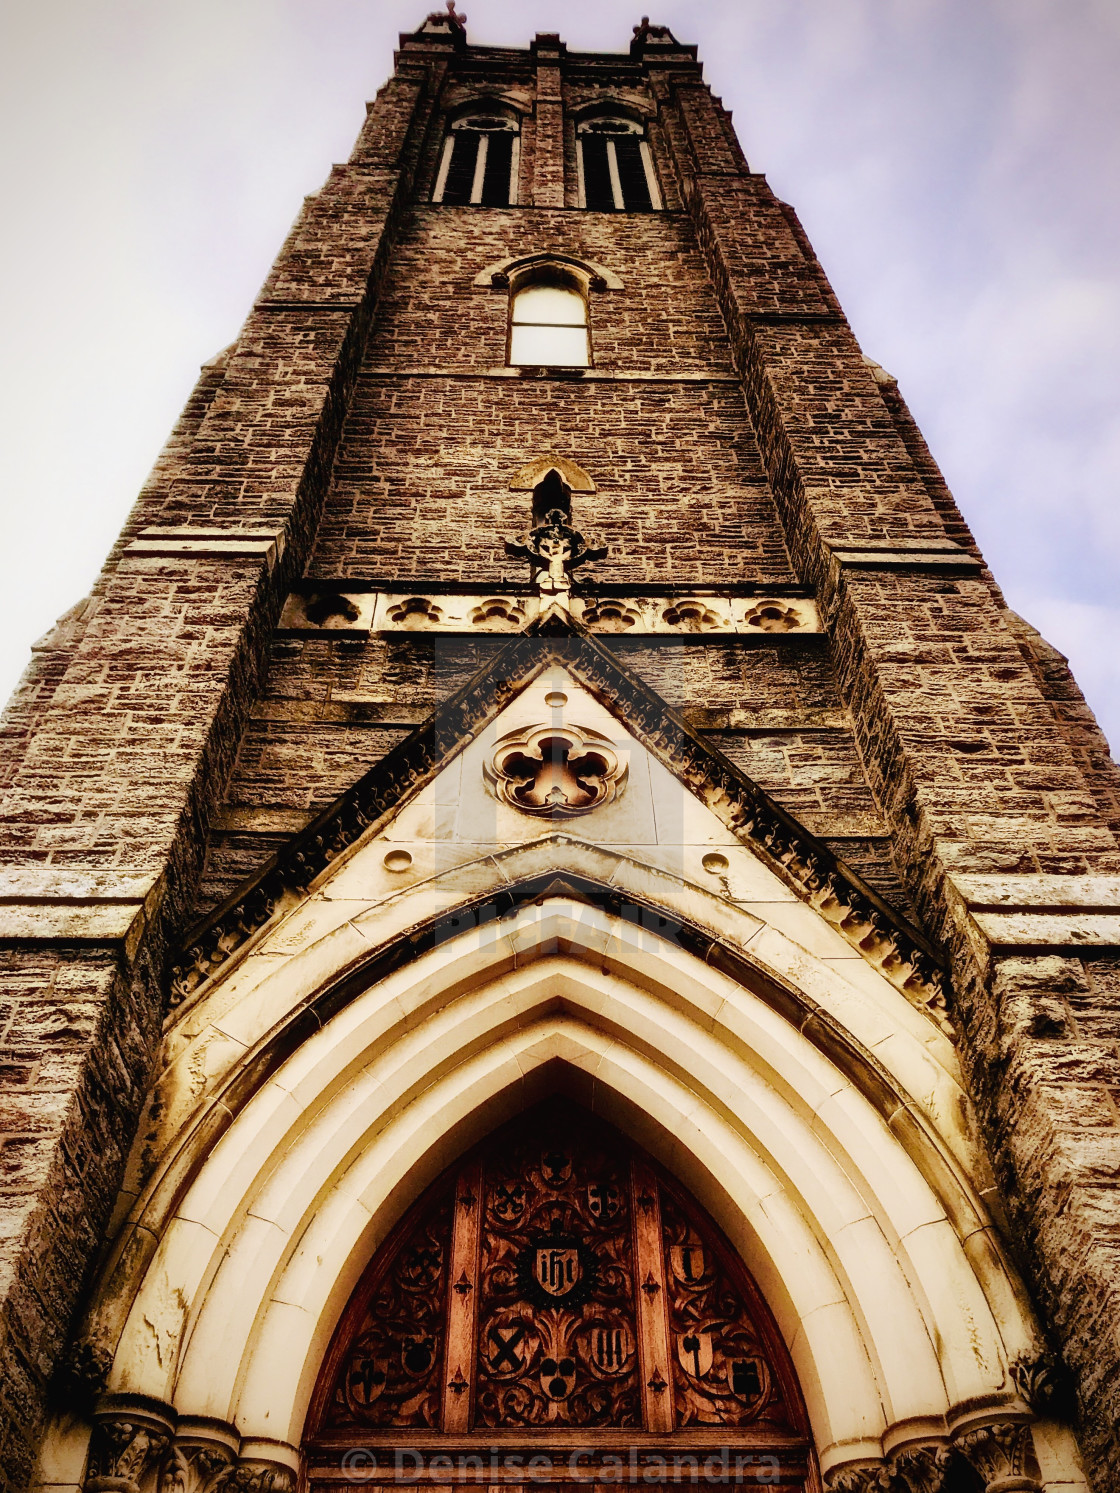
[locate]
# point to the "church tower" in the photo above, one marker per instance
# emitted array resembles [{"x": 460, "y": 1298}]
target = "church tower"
[{"x": 556, "y": 930}]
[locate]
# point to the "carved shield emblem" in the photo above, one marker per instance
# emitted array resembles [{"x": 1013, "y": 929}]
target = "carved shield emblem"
[
  {"x": 505, "y": 1348},
  {"x": 509, "y": 1201},
  {"x": 556, "y": 1167},
  {"x": 365, "y": 1380},
  {"x": 687, "y": 1261},
  {"x": 558, "y": 1377},
  {"x": 603, "y": 1201},
  {"x": 610, "y": 1348},
  {"x": 694, "y": 1349},
  {"x": 557, "y": 1269},
  {"x": 417, "y": 1354},
  {"x": 747, "y": 1378}
]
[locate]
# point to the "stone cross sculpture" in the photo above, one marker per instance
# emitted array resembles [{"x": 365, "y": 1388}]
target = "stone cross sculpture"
[{"x": 554, "y": 549}]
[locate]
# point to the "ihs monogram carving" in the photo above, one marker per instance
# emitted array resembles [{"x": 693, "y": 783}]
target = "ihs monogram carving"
[
  {"x": 556, "y": 772},
  {"x": 556, "y": 1338}
]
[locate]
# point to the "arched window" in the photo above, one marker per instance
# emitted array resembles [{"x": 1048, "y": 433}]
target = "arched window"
[
  {"x": 548, "y": 322},
  {"x": 615, "y": 167},
  {"x": 479, "y": 162}
]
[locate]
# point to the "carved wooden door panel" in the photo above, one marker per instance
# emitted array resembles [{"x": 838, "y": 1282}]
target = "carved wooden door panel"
[{"x": 557, "y": 1311}]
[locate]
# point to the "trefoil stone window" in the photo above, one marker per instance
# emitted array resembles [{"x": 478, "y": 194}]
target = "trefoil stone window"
[
  {"x": 615, "y": 167},
  {"x": 479, "y": 163}
]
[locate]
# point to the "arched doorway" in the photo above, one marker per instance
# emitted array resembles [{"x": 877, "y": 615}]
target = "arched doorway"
[{"x": 557, "y": 1310}]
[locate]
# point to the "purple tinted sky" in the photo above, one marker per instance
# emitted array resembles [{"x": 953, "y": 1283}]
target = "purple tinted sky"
[{"x": 954, "y": 161}]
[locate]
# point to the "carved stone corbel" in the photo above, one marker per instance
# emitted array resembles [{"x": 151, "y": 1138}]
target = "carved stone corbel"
[
  {"x": 131, "y": 1437},
  {"x": 1002, "y": 1452}
]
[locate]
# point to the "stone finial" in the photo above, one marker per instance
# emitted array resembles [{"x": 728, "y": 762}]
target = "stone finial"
[{"x": 646, "y": 34}]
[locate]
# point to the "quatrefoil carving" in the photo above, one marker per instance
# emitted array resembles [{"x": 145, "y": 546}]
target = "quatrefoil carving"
[{"x": 556, "y": 772}]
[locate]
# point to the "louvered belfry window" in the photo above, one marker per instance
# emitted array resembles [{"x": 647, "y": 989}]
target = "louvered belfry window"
[
  {"x": 616, "y": 168},
  {"x": 479, "y": 163}
]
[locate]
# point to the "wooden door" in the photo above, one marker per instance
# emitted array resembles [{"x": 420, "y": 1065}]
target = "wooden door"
[{"x": 557, "y": 1312}]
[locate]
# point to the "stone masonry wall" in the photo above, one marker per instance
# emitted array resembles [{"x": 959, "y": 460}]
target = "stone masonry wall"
[{"x": 964, "y": 751}]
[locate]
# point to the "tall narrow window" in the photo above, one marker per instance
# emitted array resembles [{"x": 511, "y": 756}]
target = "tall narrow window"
[
  {"x": 616, "y": 168},
  {"x": 479, "y": 162},
  {"x": 548, "y": 325}
]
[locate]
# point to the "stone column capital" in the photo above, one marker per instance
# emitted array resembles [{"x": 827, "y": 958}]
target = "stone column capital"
[
  {"x": 131, "y": 1436},
  {"x": 1001, "y": 1450}
]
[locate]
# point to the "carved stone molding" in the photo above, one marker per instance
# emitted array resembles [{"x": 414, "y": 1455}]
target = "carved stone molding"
[
  {"x": 330, "y": 609},
  {"x": 129, "y": 1441},
  {"x": 555, "y": 772},
  {"x": 1002, "y": 1453}
]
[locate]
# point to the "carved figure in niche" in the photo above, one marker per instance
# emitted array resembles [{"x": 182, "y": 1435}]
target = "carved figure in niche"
[
  {"x": 771, "y": 616},
  {"x": 555, "y": 772},
  {"x": 415, "y": 612},
  {"x": 552, "y": 547}
]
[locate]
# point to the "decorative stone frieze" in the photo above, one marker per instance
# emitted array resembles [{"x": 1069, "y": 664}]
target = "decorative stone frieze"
[
  {"x": 693, "y": 614},
  {"x": 314, "y": 611},
  {"x": 414, "y": 612},
  {"x": 556, "y": 772}
]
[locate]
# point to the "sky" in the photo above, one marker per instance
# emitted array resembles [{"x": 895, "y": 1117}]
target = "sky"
[{"x": 955, "y": 163}]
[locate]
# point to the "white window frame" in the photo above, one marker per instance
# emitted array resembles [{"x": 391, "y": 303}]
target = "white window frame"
[
  {"x": 628, "y": 127},
  {"x": 471, "y": 122}
]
